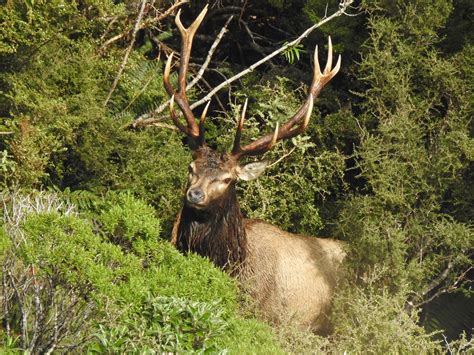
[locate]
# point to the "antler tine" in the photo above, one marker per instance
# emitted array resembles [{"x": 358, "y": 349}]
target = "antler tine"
[
  {"x": 187, "y": 36},
  {"x": 328, "y": 66},
  {"x": 300, "y": 129},
  {"x": 274, "y": 138},
  {"x": 298, "y": 123},
  {"x": 175, "y": 119},
  {"x": 166, "y": 76},
  {"x": 330, "y": 73},
  {"x": 238, "y": 134},
  {"x": 202, "y": 131}
]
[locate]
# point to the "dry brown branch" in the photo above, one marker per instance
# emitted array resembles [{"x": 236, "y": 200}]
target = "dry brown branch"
[
  {"x": 109, "y": 27},
  {"x": 171, "y": 9},
  {"x": 145, "y": 23},
  {"x": 150, "y": 118},
  {"x": 113, "y": 39},
  {"x": 127, "y": 52}
]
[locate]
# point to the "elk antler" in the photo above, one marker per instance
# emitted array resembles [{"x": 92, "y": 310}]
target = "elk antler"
[
  {"x": 296, "y": 124},
  {"x": 192, "y": 129}
]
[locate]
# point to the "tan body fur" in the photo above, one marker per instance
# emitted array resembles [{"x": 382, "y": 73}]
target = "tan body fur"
[
  {"x": 292, "y": 276},
  {"x": 289, "y": 277}
]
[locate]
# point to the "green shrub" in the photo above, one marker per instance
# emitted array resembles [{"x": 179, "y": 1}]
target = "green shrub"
[
  {"x": 165, "y": 324},
  {"x": 372, "y": 320},
  {"x": 112, "y": 299},
  {"x": 126, "y": 220}
]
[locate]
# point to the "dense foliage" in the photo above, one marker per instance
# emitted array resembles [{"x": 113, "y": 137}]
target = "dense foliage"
[
  {"x": 386, "y": 165},
  {"x": 77, "y": 289}
]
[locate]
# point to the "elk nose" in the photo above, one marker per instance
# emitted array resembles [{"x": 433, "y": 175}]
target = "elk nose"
[{"x": 195, "y": 195}]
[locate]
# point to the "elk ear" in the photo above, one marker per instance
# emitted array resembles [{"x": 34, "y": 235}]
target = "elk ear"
[{"x": 251, "y": 171}]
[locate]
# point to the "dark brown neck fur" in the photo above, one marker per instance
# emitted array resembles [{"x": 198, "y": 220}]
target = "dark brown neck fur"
[{"x": 216, "y": 233}]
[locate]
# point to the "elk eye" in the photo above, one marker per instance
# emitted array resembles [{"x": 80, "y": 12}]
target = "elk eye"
[
  {"x": 190, "y": 168},
  {"x": 227, "y": 181}
]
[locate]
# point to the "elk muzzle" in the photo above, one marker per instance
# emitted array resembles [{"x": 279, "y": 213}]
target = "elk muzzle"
[{"x": 195, "y": 196}]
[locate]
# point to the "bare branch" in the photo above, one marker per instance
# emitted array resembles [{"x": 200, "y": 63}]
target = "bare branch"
[
  {"x": 113, "y": 39},
  {"x": 38, "y": 310},
  {"x": 282, "y": 157},
  {"x": 437, "y": 284},
  {"x": 253, "y": 44},
  {"x": 109, "y": 26},
  {"x": 171, "y": 9},
  {"x": 429, "y": 299},
  {"x": 462, "y": 278},
  {"x": 23, "y": 311},
  {"x": 5, "y": 300},
  {"x": 127, "y": 52},
  {"x": 54, "y": 337},
  {"x": 145, "y": 24},
  {"x": 149, "y": 118},
  {"x": 439, "y": 279},
  {"x": 210, "y": 53},
  {"x": 165, "y": 125}
]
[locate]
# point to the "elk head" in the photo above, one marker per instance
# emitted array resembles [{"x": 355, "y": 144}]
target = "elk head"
[{"x": 212, "y": 174}]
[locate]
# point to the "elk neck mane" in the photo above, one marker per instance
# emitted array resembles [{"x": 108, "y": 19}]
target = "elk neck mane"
[{"x": 217, "y": 233}]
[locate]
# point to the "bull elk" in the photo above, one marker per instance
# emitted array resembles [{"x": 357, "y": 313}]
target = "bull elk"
[{"x": 285, "y": 273}]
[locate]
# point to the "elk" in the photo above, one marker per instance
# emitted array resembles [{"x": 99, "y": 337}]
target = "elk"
[{"x": 285, "y": 273}]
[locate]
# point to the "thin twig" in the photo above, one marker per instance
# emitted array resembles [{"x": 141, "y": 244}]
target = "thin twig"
[
  {"x": 38, "y": 310},
  {"x": 436, "y": 283},
  {"x": 144, "y": 24},
  {"x": 253, "y": 44},
  {"x": 148, "y": 118},
  {"x": 209, "y": 86},
  {"x": 439, "y": 279},
  {"x": 462, "y": 277},
  {"x": 127, "y": 52},
  {"x": 282, "y": 157},
  {"x": 6, "y": 313},
  {"x": 113, "y": 39},
  {"x": 23, "y": 312},
  {"x": 109, "y": 26},
  {"x": 54, "y": 338},
  {"x": 171, "y": 9}
]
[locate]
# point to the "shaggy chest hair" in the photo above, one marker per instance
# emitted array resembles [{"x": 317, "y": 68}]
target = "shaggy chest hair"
[{"x": 217, "y": 233}]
